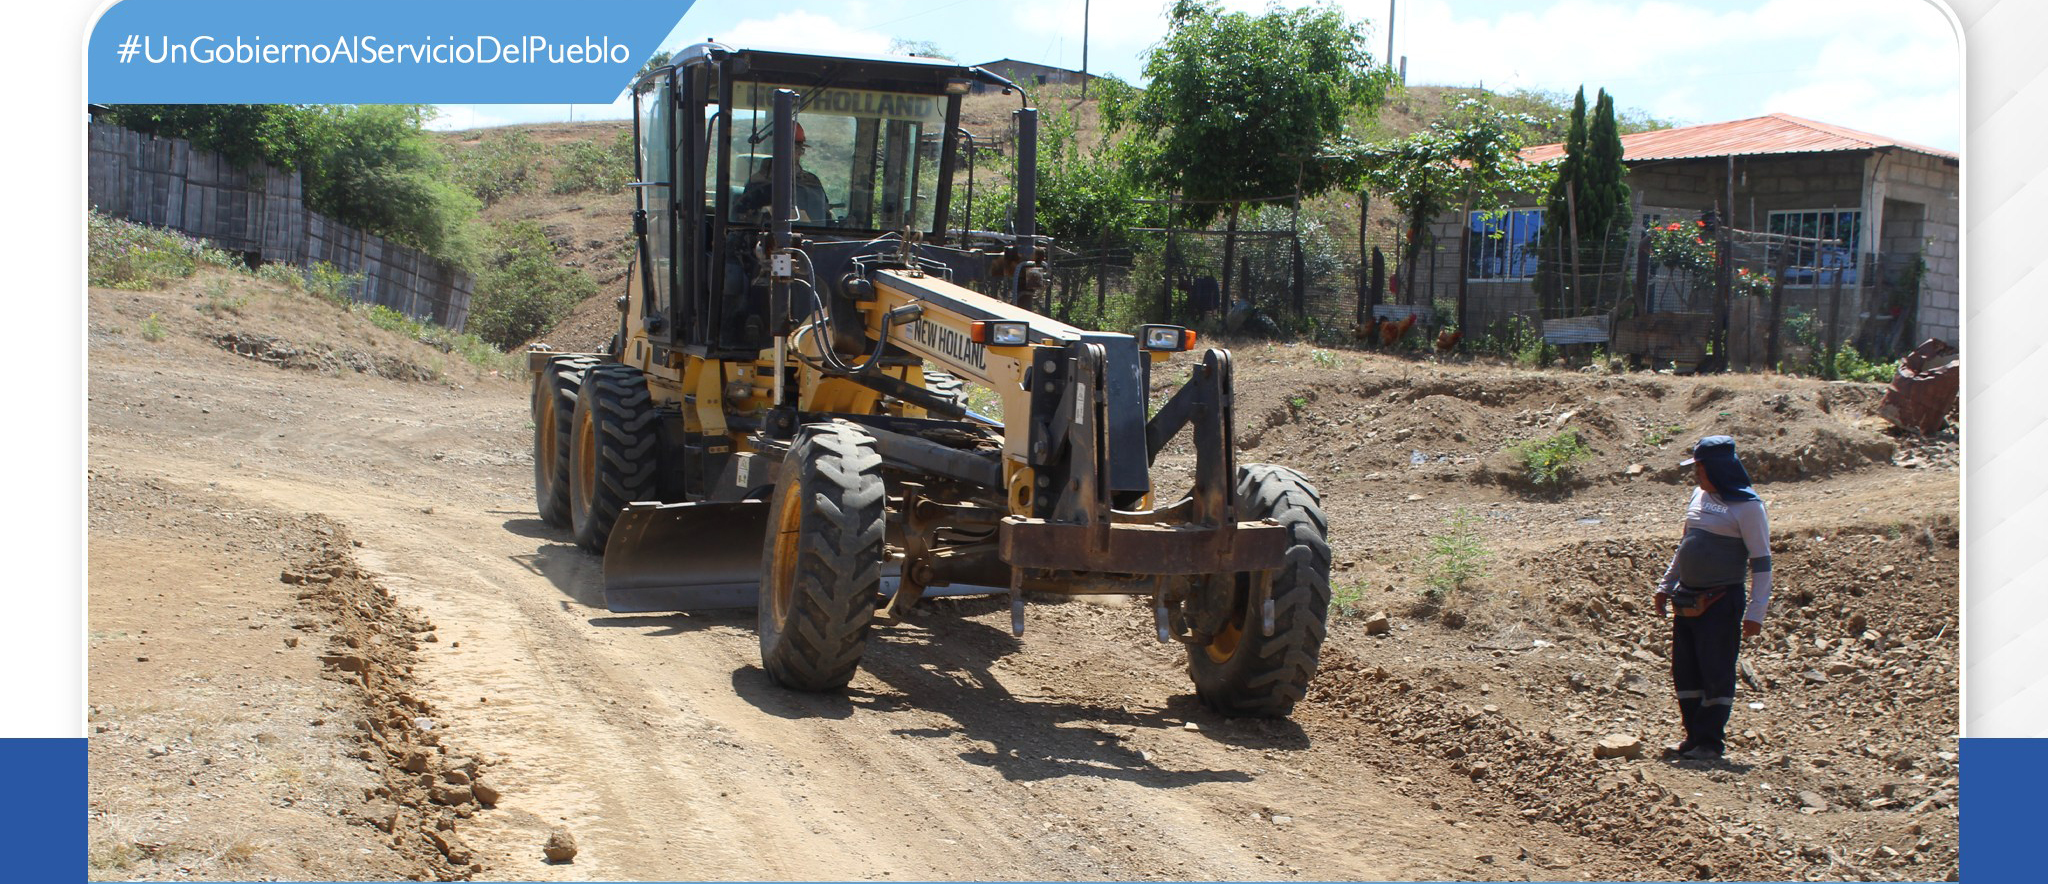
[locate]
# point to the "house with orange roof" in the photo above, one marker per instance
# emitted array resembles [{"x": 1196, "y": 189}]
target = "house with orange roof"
[{"x": 1863, "y": 223}]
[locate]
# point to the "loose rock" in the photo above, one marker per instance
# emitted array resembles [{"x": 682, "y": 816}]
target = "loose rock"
[
  {"x": 561, "y": 846},
  {"x": 1618, "y": 746}
]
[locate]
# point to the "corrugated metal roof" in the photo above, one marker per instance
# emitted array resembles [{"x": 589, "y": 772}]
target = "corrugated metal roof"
[{"x": 1770, "y": 134}]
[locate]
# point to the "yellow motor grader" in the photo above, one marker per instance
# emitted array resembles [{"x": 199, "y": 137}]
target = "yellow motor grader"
[{"x": 778, "y": 422}]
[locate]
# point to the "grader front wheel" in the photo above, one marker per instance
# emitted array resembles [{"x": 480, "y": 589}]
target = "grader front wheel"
[
  {"x": 822, "y": 557},
  {"x": 1240, "y": 670},
  {"x": 555, "y": 390}
]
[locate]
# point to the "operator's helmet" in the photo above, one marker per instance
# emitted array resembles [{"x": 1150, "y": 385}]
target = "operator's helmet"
[{"x": 799, "y": 134}]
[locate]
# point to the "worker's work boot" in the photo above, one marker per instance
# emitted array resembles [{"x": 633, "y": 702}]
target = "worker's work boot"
[
  {"x": 1689, "y": 715},
  {"x": 1713, "y": 728}
]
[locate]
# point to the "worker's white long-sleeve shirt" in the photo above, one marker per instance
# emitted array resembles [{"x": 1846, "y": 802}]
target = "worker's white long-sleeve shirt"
[{"x": 1721, "y": 541}]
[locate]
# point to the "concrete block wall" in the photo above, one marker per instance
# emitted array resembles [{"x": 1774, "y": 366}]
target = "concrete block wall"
[{"x": 1934, "y": 183}]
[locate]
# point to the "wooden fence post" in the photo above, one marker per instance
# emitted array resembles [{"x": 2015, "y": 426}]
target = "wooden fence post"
[
  {"x": 1834, "y": 321},
  {"x": 1777, "y": 307}
]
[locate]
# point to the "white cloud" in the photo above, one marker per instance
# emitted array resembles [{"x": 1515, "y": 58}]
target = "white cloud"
[{"x": 1885, "y": 63}]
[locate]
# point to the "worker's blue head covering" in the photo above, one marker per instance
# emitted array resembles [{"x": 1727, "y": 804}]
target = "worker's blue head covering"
[{"x": 1717, "y": 454}]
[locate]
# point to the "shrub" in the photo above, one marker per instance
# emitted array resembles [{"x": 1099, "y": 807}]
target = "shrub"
[
  {"x": 391, "y": 320},
  {"x": 125, "y": 255},
  {"x": 471, "y": 348},
  {"x": 1348, "y": 599},
  {"x": 500, "y": 165},
  {"x": 221, "y": 298},
  {"x": 984, "y": 401},
  {"x": 153, "y": 328},
  {"x": 331, "y": 283},
  {"x": 587, "y": 165},
  {"x": 282, "y": 274},
  {"x": 523, "y": 291},
  {"x": 1517, "y": 339},
  {"x": 1849, "y": 363},
  {"x": 1662, "y": 435},
  {"x": 1547, "y": 462},
  {"x": 1454, "y": 558}
]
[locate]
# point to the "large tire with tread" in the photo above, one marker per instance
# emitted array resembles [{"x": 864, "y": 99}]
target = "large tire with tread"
[
  {"x": 555, "y": 389},
  {"x": 822, "y": 558},
  {"x": 946, "y": 384},
  {"x": 614, "y": 451},
  {"x": 1241, "y": 671}
]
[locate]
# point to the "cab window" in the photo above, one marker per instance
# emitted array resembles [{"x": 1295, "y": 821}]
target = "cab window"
[{"x": 867, "y": 160}]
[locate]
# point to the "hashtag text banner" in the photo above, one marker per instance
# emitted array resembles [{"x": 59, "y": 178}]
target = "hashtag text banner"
[{"x": 372, "y": 51}]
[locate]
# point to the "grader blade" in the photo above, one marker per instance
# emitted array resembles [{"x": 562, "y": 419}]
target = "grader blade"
[{"x": 684, "y": 557}]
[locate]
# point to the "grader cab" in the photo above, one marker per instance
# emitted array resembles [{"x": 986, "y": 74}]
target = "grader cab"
[{"x": 778, "y": 422}]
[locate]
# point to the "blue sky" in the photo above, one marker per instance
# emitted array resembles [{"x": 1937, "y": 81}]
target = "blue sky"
[{"x": 1892, "y": 67}]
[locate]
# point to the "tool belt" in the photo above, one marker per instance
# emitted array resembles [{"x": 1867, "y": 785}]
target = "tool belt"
[{"x": 1694, "y": 602}]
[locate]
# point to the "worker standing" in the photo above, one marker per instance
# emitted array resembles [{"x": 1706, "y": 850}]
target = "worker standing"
[{"x": 1727, "y": 535}]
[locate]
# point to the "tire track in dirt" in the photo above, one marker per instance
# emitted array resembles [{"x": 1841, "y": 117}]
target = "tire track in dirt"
[
  {"x": 1078, "y": 752},
  {"x": 956, "y": 748}
]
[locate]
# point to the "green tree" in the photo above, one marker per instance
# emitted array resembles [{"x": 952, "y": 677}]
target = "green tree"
[
  {"x": 1604, "y": 206},
  {"x": 378, "y": 170},
  {"x": 1552, "y": 112},
  {"x": 1240, "y": 107},
  {"x": 1589, "y": 192},
  {"x": 372, "y": 167},
  {"x": 1087, "y": 199},
  {"x": 654, "y": 61},
  {"x": 1469, "y": 159},
  {"x": 284, "y": 135},
  {"x": 918, "y": 48}
]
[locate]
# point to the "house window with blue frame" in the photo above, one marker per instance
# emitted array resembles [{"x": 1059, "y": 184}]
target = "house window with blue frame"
[
  {"x": 1840, "y": 235},
  {"x": 1503, "y": 244}
]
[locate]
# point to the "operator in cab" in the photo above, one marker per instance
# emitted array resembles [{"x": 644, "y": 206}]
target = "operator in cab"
[{"x": 812, "y": 205}]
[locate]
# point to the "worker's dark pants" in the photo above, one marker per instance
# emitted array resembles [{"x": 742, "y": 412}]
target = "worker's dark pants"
[{"x": 1703, "y": 667}]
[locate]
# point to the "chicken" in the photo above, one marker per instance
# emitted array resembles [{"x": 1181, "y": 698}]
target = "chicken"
[
  {"x": 1367, "y": 332},
  {"x": 1447, "y": 340},
  {"x": 1395, "y": 331}
]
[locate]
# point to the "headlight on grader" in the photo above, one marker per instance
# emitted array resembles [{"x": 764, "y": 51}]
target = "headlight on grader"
[
  {"x": 1171, "y": 338},
  {"x": 1000, "y": 334}
]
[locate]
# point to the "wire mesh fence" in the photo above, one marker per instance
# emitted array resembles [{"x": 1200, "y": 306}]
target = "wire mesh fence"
[{"x": 1666, "y": 286}]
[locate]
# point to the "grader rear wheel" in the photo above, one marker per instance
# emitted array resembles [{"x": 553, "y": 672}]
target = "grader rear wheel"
[
  {"x": 1240, "y": 670},
  {"x": 614, "y": 451},
  {"x": 946, "y": 384},
  {"x": 822, "y": 559},
  {"x": 555, "y": 389}
]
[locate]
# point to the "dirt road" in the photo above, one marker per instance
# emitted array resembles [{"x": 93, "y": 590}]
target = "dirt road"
[{"x": 1077, "y": 752}]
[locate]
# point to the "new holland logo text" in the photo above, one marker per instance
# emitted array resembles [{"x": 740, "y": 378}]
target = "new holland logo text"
[{"x": 948, "y": 342}]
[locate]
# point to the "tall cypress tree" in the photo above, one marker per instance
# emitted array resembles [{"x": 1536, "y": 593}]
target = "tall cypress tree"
[
  {"x": 1554, "y": 263},
  {"x": 1603, "y": 199}
]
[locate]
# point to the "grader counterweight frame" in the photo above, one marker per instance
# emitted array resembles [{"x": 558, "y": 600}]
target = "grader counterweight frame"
[{"x": 768, "y": 427}]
